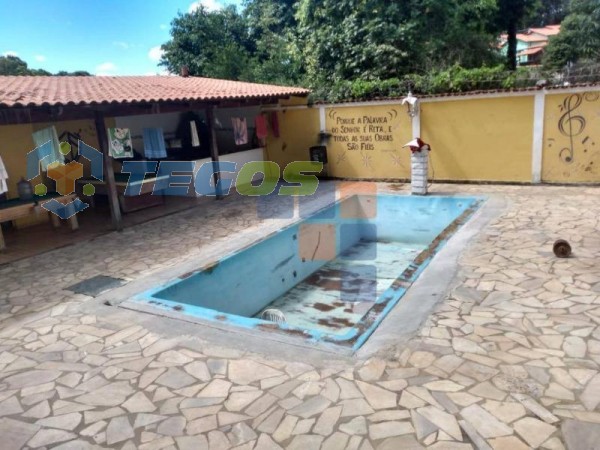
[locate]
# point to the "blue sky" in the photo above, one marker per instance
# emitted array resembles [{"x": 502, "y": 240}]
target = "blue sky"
[{"x": 104, "y": 37}]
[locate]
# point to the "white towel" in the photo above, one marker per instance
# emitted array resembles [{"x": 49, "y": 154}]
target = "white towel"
[
  {"x": 194, "y": 132},
  {"x": 3, "y": 177}
]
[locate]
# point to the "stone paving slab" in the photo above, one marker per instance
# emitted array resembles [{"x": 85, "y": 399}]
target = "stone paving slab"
[{"x": 509, "y": 359}]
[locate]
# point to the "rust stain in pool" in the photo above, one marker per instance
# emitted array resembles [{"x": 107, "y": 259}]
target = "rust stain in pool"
[
  {"x": 336, "y": 322},
  {"x": 323, "y": 307}
]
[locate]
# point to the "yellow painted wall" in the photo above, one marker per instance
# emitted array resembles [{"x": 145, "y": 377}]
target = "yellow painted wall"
[
  {"x": 366, "y": 142},
  {"x": 571, "y": 150},
  {"x": 16, "y": 141},
  {"x": 293, "y": 101},
  {"x": 474, "y": 139},
  {"x": 487, "y": 139},
  {"x": 298, "y": 130}
]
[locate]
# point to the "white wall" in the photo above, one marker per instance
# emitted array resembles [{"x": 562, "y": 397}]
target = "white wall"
[
  {"x": 242, "y": 158},
  {"x": 169, "y": 121},
  {"x": 224, "y": 128}
]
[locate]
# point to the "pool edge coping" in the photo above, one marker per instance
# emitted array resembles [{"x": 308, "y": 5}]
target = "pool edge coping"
[{"x": 491, "y": 207}]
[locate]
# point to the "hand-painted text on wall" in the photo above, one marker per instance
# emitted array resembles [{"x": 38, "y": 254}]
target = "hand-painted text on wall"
[{"x": 364, "y": 132}]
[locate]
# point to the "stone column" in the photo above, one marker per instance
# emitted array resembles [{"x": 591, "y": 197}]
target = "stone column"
[{"x": 418, "y": 176}]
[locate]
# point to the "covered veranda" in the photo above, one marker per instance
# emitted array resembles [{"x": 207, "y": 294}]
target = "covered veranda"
[{"x": 85, "y": 109}]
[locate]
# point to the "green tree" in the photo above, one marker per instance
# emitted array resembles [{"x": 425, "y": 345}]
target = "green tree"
[
  {"x": 13, "y": 65},
  {"x": 510, "y": 18},
  {"x": 76, "y": 73},
  {"x": 272, "y": 29},
  {"x": 579, "y": 38},
  {"x": 351, "y": 39},
  {"x": 455, "y": 32},
  {"x": 212, "y": 44},
  {"x": 548, "y": 12},
  {"x": 373, "y": 39}
]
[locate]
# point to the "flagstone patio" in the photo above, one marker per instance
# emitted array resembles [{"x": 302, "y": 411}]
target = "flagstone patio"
[{"x": 510, "y": 358}]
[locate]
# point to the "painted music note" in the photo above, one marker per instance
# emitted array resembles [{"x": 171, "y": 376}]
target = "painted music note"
[
  {"x": 570, "y": 125},
  {"x": 592, "y": 96}
]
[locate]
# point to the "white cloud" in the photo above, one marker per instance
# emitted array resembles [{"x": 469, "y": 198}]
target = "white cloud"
[
  {"x": 40, "y": 58},
  {"x": 123, "y": 45},
  {"x": 155, "y": 53},
  {"x": 209, "y": 5},
  {"x": 10, "y": 53},
  {"x": 106, "y": 69},
  {"x": 163, "y": 26},
  {"x": 161, "y": 72}
]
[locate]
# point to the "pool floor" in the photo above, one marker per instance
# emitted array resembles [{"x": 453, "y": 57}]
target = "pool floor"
[
  {"x": 334, "y": 298},
  {"x": 333, "y": 276}
]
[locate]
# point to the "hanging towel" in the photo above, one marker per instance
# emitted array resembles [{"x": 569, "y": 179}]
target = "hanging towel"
[
  {"x": 194, "y": 133},
  {"x": 261, "y": 126},
  {"x": 3, "y": 177},
  {"x": 47, "y": 147},
  {"x": 275, "y": 123},
  {"x": 119, "y": 143},
  {"x": 154, "y": 143},
  {"x": 240, "y": 130}
]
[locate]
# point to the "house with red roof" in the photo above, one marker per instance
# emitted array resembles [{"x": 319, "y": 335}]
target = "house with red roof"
[{"x": 530, "y": 44}]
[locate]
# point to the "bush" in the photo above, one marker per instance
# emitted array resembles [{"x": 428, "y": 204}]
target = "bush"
[{"x": 455, "y": 79}]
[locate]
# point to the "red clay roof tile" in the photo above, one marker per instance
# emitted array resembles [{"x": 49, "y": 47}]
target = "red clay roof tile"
[
  {"x": 56, "y": 90},
  {"x": 531, "y": 50}
]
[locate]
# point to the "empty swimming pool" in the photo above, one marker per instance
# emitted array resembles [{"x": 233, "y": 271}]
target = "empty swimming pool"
[{"x": 331, "y": 277}]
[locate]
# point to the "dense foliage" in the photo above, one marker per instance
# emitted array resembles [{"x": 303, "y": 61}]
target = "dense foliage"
[
  {"x": 366, "y": 48},
  {"x": 13, "y": 65},
  {"x": 548, "y": 12},
  {"x": 452, "y": 80},
  {"x": 214, "y": 44},
  {"x": 579, "y": 38}
]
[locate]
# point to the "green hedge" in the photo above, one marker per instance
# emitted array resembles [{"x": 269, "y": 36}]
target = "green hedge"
[{"x": 453, "y": 80}]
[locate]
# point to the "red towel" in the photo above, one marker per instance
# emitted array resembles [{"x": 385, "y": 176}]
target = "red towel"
[
  {"x": 261, "y": 126},
  {"x": 275, "y": 123}
]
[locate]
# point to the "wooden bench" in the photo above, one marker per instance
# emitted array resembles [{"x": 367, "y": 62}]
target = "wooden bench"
[{"x": 16, "y": 209}]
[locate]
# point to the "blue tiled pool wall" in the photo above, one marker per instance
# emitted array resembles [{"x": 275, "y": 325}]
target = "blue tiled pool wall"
[
  {"x": 416, "y": 220},
  {"x": 246, "y": 282}
]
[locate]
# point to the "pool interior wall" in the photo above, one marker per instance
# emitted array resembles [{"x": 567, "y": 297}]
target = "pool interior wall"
[{"x": 326, "y": 273}]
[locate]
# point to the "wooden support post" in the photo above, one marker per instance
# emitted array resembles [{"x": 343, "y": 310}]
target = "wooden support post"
[
  {"x": 214, "y": 149},
  {"x": 109, "y": 175}
]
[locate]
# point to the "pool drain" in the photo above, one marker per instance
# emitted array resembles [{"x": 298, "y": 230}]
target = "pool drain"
[{"x": 273, "y": 315}]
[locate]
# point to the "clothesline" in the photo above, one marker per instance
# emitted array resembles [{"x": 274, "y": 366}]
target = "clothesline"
[
  {"x": 172, "y": 133},
  {"x": 141, "y": 136}
]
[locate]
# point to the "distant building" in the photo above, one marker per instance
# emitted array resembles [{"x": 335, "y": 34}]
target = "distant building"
[{"x": 530, "y": 44}]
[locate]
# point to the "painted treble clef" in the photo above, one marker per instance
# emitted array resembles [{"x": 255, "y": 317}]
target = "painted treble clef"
[{"x": 570, "y": 125}]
